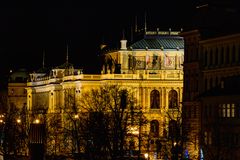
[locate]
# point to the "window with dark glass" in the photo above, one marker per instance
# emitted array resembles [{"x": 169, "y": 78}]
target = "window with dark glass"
[
  {"x": 205, "y": 84},
  {"x": 233, "y": 54},
  {"x": 238, "y": 53},
  {"x": 210, "y": 83},
  {"x": 172, "y": 99},
  {"x": 205, "y": 58},
  {"x": 174, "y": 131},
  {"x": 155, "y": 99},
  {"x": 210, "y": 58},
  {"x": 227, "y": 55},
  {"x": 154, "y": 129},
  {"x": 222, "y": 56},
  {"x": 216, "y": 58},
  {"x": 123, "y": 102}
]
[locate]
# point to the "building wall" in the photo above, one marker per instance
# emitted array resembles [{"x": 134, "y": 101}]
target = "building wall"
[
  {"x": 142, "y": 78},
  {"x": 207, "y": 62}
]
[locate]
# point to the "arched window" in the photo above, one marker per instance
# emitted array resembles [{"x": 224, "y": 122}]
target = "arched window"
[
  {"x": 155, "y": 99},
  {"x": 172, "y": 99},
  {"x": 123, "y": 99},
  {"x": 173, "y": 129},
  {"x": 154, "y": 128}
]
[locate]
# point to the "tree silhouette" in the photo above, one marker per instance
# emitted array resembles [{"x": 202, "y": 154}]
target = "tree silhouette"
[{"x": 14, "y": 130}]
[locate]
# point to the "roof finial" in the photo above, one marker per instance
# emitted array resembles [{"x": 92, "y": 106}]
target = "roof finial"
[
  {"x": 131, "y": 33},
  {"x": 136, "y": 26},
  {"x": 123, "y": 35},
  {"x": 145, "y": 21},
  {"x": 43, "y": 63},
  {"x": 67, "y": 55}
]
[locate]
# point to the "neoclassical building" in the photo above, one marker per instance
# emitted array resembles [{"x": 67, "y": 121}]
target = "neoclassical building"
[
  {"x": 17, "y": 83},
  {"x": 151, "y": 68}
]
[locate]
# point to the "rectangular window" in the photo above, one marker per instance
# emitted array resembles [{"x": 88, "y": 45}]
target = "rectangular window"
[
  {"x": 210, "y": 138},
  {"x": 220, "y": 110},
  {"x": 228, "y": 110},
  {"x": 233, "y": 110},
  {"x": 205, "y": 137},
  {"x": 223, "y": 110},
  {"x": 195, "y": 111}
]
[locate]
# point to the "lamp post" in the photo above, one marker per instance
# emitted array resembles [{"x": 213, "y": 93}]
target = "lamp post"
[
  {"x": 2, "y": 129},
  {"x": 37, "y": 135},
  {"x": 75, "y": 134}
]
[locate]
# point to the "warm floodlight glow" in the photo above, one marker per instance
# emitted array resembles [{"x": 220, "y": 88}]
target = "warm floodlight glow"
[
  {"x": 1, "y": 121},
  {"x": 37, "y": 121},
  {"x": 175, "y": 143},
  {"x": 18, "y": 120},
  {"x": 134, "y": 131},
  {"x": 146, "y": 155},
  {"x": 76, "y": 116}
]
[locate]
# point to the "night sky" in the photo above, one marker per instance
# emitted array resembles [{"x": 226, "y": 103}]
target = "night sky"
[{"x": 29, "y": 28}]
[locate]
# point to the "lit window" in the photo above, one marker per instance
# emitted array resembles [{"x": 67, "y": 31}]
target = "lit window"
[
  {"x": 228, "y": 110},
  {"x": 223, "y": 110},
  {"x": 205, "y": 137},
  {"x": 233, "y": 110}
]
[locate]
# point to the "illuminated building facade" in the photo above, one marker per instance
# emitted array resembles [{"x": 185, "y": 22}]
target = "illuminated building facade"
[
  {"x": 151, "y": 68},
  {"x": 17, "y": 83},
  {"x": 210, "y": 100}
]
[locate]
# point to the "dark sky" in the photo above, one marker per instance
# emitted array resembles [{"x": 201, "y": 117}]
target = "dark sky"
[{"x": 27, "y": 28}]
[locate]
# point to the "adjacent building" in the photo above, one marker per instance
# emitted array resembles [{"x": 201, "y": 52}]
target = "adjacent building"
[
  {"x": 210, "y": 100},
  {"x": 17, "y": 83}
]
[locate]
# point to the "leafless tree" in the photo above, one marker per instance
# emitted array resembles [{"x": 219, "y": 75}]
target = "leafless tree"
[
  {"x": 95, "y": 125},
  {"x": 14, "y": 130}
]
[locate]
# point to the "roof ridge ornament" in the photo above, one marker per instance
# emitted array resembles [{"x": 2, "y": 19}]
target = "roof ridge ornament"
[{"x": 67, "y": 54}]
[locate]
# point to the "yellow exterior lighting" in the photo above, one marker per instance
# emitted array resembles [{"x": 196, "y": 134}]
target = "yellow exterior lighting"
[
  {"x": 146, "y": 155},
  {"x": 18, "y": 120},
  {"x": 37, "y": 121},
  {"x": 76, "y": 116}
]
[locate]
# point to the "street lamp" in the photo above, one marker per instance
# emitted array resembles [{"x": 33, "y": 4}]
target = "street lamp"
[
  {"x": 146, "y": 156},
  {"x": 36, "y": 121},
  {"x": 76, "y": 116},
  {"x": 1, "y": 118},
  {"x": 18, "y": 120}
]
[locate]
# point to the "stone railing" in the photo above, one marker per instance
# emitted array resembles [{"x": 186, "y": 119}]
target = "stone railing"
[{"x": 162, "y": 75}]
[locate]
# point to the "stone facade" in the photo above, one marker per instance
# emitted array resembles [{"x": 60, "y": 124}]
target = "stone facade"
[
  {"x": 151, "y": 69},
  {"x": 209, "y": 61}
]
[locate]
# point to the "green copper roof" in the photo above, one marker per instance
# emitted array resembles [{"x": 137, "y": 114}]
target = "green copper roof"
[{"x": 158, "y": 42}]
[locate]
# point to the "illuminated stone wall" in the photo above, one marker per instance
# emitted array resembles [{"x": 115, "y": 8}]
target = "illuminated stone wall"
[{"x": 141, "y": 78}]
